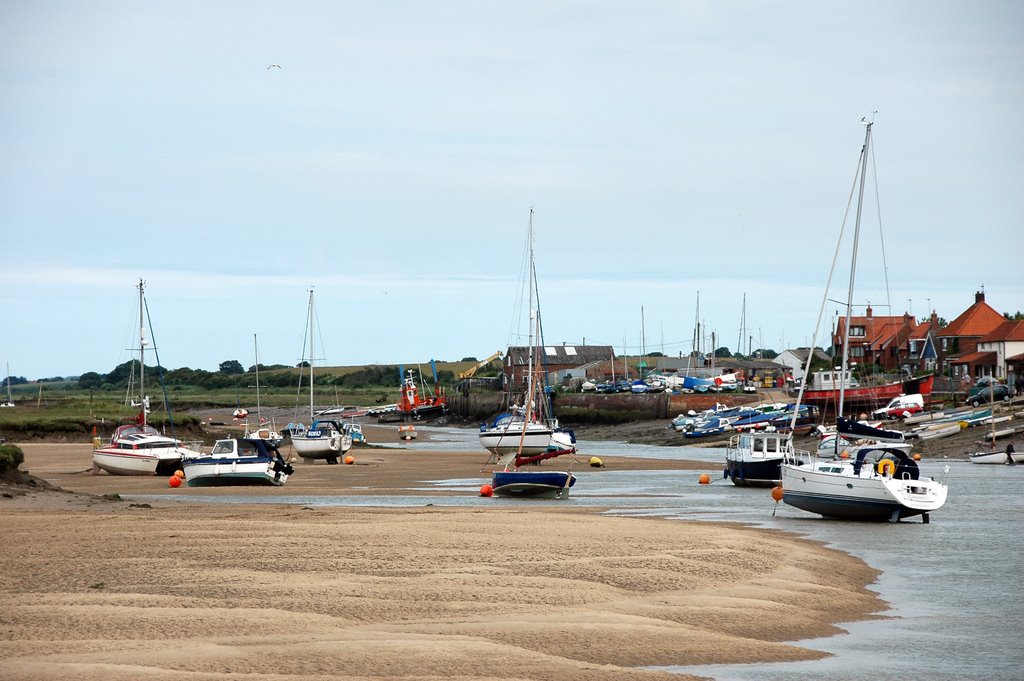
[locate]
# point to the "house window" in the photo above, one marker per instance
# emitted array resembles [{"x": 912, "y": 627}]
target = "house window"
[
  {"x": 856, "y": 351},
  {"x": 857, "y": 332},
  {"x": 913, "y": 346}
]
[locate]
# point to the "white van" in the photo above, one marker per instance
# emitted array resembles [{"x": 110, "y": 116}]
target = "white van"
[{"x": 899, "y": 407}]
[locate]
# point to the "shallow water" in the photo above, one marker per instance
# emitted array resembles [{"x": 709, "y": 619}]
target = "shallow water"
[{"x": 954, "y": 585}]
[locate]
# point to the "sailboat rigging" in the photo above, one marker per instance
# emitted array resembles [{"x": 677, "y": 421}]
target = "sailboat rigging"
[
  {"x": 325, "y": 438},
  {"x": 138, "y": 448},
  {"x": 873, "y": 478},
  {"x": 529, "y": 433}
]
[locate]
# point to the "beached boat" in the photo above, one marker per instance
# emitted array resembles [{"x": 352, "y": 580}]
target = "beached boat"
[
  {"x": 754, "y": 459},
  {"x": 877, "y": 480},
  {"x": 825, "y": 386},
  {"x": 992, "y": 456},
  {"x": 522, "y": 439},
  {"x": 325, "y": 439},
  {"x": 414, "y": 405},
  {"x": 139, "y": 448},
  {"x": 407, "y": 432},
  {"x": 237, "y": 461}
]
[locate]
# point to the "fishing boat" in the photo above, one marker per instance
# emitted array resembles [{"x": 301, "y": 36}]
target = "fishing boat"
[
  {"x": 237, "y": 461},
  {"x": 325, "y": 439},
  {"x": 825, "y": 386},
  {"x": 407, "y": 432},
  {"x": 529, "y": 434},
  {"x": 874, "y": 478},
  {"x": 412, "y": 404},
  {"x": 754, "y": 459},
  {"x": 139, "y": 448}
]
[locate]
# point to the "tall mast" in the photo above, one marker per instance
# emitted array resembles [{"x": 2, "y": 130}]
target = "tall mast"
[
  {"x": 142, "y": 354},
  {"x": 311, "y": 353},
  {"x": 256, "y": 348},
  {"x": 853, "y": 265}
]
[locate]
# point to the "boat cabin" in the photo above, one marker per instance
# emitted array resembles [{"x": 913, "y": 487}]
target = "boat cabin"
[{"x": 832, "y": 380}]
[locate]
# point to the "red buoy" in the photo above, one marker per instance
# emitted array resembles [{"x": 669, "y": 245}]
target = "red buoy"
[
  {"x": 350, "y": 460},
  {"x": 777, "y": 493},
  {"x": 704, "y": 479},
  {"x": 486, "y": 491},
  {"x": 174, "y": 481}
]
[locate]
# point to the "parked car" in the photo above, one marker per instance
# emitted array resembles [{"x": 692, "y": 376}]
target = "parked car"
[
  {"x": 900, "y": 407},
  {"x": 988, "y": 392}
]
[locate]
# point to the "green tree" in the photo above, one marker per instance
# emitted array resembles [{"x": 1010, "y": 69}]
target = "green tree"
[{"x": 231, "y": 366}]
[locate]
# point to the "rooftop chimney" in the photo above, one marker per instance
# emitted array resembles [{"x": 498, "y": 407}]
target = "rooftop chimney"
[
  {"x": 979, "y": 296},
  {"x": 869, "y": 311}
]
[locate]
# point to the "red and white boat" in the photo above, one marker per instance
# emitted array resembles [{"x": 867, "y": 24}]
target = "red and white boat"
[{"x": 825, "y": 386}]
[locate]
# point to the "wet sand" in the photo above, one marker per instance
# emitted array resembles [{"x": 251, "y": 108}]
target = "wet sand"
[{"x": 175, "y": 589}]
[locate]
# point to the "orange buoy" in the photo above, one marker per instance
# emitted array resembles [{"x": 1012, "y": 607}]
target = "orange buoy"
[
  {"x": 777, "y": 493},
  {"x": 705, "y": 479},
  {"x": 917, "y": 457},
  {"x": 486, "y": 491},
  {"x": 174, "y": 481},
  {"x": 350, "y": 459},
  {"x": 179, "y": 473}
]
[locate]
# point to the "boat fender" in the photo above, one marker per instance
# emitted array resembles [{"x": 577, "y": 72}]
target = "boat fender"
[
  {"x": 725, "y": 473},
  {"x": 886, "y": 467}
]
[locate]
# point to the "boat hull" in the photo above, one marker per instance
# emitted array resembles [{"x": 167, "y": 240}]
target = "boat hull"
[
  {"x": 762, "y": 473},
  {"x": 507, "y": 441},
  {"x": 542, "y": 484},
  {"x": 207, "y": 472},
  {"x": 989, "y": 457},
  {"x": 328, "y": 448},
  {"x": 869, "y": 395},
  {"x": 137, "y": 462},
  {"x": 869, "y": 497}
]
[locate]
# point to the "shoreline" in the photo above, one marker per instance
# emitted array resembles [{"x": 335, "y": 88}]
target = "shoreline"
[{"x": 169, "y": 588}]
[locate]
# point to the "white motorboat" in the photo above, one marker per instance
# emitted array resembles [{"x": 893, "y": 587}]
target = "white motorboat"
[
  {"x": 140, "y": 449},
  {"x": 237, "y": 461}
]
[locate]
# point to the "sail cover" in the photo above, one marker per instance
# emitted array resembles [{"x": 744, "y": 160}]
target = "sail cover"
[{"x": 864, "y": 431}]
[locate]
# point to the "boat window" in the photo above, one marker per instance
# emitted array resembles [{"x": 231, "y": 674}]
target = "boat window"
[{"x": 223, "y": 448}]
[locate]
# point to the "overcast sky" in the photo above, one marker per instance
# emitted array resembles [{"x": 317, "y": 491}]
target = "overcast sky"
[{"x": 392, "y": 160}]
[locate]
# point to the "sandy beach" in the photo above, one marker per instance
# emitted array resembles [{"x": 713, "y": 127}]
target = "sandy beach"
[{"x": 177, "y": 589}]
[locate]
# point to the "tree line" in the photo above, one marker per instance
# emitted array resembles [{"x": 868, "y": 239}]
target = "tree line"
[{"x": 232, "y": 374}]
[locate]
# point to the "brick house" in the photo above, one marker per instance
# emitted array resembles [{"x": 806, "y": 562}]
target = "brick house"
[
  {"x": 873, "y": 340},
  {"x": 996, "y": 353},
  {"x": 554, "y": 359},
  {"x": 959, "y": 355}
]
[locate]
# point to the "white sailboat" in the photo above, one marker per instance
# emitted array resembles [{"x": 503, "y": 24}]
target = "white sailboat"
[
  {"x": 139, "y": 448},
  {"x": 870, "y": 479},
  {"x": 529, "y": 433},
  {"x": 992, "y": 456},
  {"x": 325, "y": 438}
]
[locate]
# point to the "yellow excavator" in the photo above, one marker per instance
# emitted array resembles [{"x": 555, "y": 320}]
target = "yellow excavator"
[{"x": 471, "y": 371}]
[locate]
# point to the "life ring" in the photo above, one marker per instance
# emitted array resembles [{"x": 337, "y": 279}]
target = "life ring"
[{"x": 886, "y": 467}]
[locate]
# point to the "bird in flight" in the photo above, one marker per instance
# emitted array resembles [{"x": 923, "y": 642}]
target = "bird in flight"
[{"x": 274, "y": 66}]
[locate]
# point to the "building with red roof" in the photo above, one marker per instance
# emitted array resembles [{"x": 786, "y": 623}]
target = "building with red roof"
[{"x": 959, "y": 351}]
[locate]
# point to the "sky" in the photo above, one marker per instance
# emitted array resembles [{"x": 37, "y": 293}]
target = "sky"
[{"x": 669, "y": 151}]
